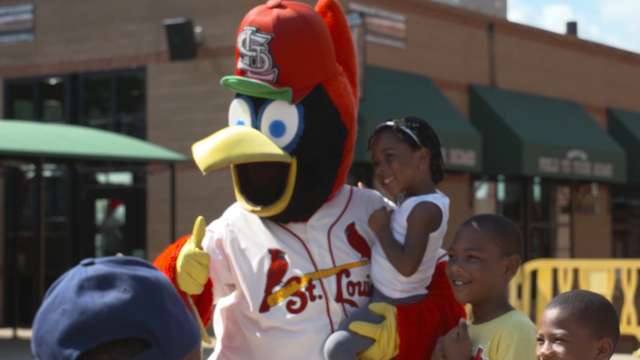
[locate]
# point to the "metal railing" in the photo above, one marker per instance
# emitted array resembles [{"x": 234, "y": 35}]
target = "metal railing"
[{"x": 539, "y": 280}]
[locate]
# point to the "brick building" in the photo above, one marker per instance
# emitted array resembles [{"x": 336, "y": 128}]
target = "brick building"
[
  {"x": 489, "y": 7},
  {"x": 107, "y": 65}
]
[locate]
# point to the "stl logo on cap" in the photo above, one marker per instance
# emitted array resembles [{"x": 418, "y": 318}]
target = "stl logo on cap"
[{"x": 255, "y": 55}]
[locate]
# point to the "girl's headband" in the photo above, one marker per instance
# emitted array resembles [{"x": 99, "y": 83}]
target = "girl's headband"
[{"x": 401, "y": 124}]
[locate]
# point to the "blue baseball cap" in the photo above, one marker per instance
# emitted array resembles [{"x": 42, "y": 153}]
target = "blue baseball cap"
[{"x": 106, "y": 299}]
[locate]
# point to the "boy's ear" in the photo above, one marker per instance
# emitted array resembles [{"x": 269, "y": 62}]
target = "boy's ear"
[
  {"x": 512, "y": 265},
  {"x": 605, "y": 349}
]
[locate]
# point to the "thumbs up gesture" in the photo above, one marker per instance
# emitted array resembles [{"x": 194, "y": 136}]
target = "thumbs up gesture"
[{"x": 192, "y": 267}]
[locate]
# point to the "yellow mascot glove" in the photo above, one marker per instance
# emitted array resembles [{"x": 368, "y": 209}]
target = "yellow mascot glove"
[
  {"x": 192, "y": 267},
  {"x": 385, "y": 334}
]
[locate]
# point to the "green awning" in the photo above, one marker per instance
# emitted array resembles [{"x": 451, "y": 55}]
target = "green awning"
[
  {"x": 624, "y": 126},
  {"x": 61, "y": 141},
  {"x": 390, "y": 93},
  {"x": 533, "y": 135}
]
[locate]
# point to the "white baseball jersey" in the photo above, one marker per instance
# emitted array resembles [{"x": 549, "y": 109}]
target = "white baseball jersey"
[
  {"x": 281, "y": 289},
  {"x": 385, "y": 277}
]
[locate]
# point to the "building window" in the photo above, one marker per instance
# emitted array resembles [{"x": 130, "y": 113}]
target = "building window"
[
  {"x": 97, "y": 104},
  {"x": 542, "y": 209},
  {"x": 625, "y": 205},
  {"x": 37, "y": 99},
  {"x": 113, "y": 100},
  {"x": 20, "y": 103},
  {"x": 52, "y": 90}
]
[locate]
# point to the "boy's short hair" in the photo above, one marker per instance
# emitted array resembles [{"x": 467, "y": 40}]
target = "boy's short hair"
[
  {"x": 503, "y": 231},
  {"x": 116, "y": 305},
  {"x": 591, "y": 310}
]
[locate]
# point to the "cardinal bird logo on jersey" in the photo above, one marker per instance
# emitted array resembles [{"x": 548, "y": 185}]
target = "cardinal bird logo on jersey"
[
  {"x": 278, "y": 267},
  {"x": 357, "y": 241}
]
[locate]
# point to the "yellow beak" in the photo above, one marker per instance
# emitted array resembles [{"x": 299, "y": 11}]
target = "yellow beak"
[{"x": 236, "y": 145}]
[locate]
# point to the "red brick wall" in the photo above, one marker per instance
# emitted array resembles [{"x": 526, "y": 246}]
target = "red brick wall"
[
  {"x": 185, "y": 104},
  {"x": 593, "y": 231},
  {"x": 74, "y": 35}
]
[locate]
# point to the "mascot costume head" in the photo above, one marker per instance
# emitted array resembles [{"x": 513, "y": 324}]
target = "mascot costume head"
[{"x": 292, "y": 123}]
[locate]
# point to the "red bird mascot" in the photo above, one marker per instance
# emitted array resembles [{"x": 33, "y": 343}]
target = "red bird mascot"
[{"x": 287, "y": 262}]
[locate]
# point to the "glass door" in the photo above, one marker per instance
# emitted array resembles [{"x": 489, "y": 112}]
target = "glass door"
[{"x": 113, "y": 222}]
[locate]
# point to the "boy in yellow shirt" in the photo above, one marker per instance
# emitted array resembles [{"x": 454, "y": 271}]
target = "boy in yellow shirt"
[{"x": 483, "y": 257}]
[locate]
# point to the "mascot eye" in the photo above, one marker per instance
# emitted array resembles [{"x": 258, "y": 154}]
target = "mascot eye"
[
  {"x": 282, "y": 123},
  {"x": 241, "y": 112}
]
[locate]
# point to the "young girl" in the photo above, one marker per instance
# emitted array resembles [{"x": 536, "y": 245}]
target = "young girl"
[{"x": 408, "y": 163}]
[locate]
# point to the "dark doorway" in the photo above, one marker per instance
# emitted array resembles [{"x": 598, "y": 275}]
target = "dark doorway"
[
  {"x": 112, "y": 221},
  {"x": 88, "y": 212},
  {"x": 625, "y": 204},
  {"x": 22, "y": 241}
]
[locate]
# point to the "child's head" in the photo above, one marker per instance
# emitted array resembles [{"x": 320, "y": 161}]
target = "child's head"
[
  {"x": 115, "y": 307},
  {"x": 406, "y": 154},
  {"x": 483, "y": 257},
  {"x": 579, "y": 325}
]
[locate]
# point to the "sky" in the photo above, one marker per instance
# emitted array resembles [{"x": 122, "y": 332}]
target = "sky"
[{"x": 612, "y": 22}]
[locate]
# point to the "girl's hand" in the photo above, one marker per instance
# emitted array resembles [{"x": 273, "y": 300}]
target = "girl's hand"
[{"x": 379, "y": 221}]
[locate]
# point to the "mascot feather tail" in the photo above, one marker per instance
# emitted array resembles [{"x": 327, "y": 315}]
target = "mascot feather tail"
[
  {"x": 342, "y": 89},
  {"x": 334, "y": 18}
]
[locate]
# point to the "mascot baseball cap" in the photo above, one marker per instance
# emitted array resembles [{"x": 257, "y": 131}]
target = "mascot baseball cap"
[
  {"x": 106, "y": 299},
  {"x": 283, "y": 50}
]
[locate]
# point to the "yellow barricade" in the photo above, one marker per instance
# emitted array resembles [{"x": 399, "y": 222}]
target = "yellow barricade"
[{"x": 539, "y": 280}]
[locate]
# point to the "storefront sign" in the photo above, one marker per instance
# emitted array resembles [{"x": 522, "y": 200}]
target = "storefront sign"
[
  {"x": 576, "y": 162},
  {"x": 382, "y": 26},
  {"x": 459, "y": 157},
  {"x": 16, "y": 23}
]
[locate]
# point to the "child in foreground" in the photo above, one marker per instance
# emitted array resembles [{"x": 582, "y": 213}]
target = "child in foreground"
[
  {"x": 483, "y": 257},
  {"x": 408, "y": 164},
  {"x": 578, "y": 325}
]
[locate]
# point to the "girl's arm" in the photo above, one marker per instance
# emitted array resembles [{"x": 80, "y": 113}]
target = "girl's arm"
[{"x": 424, "y": 218}]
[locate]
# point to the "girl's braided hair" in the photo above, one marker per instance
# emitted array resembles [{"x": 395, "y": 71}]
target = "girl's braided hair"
[{"x": 416, "y": 133}]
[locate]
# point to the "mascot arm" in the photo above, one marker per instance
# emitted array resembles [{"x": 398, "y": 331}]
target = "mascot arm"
[
  {"x": 439, "y": 305},
  {"x": 166, "y": 263}
]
